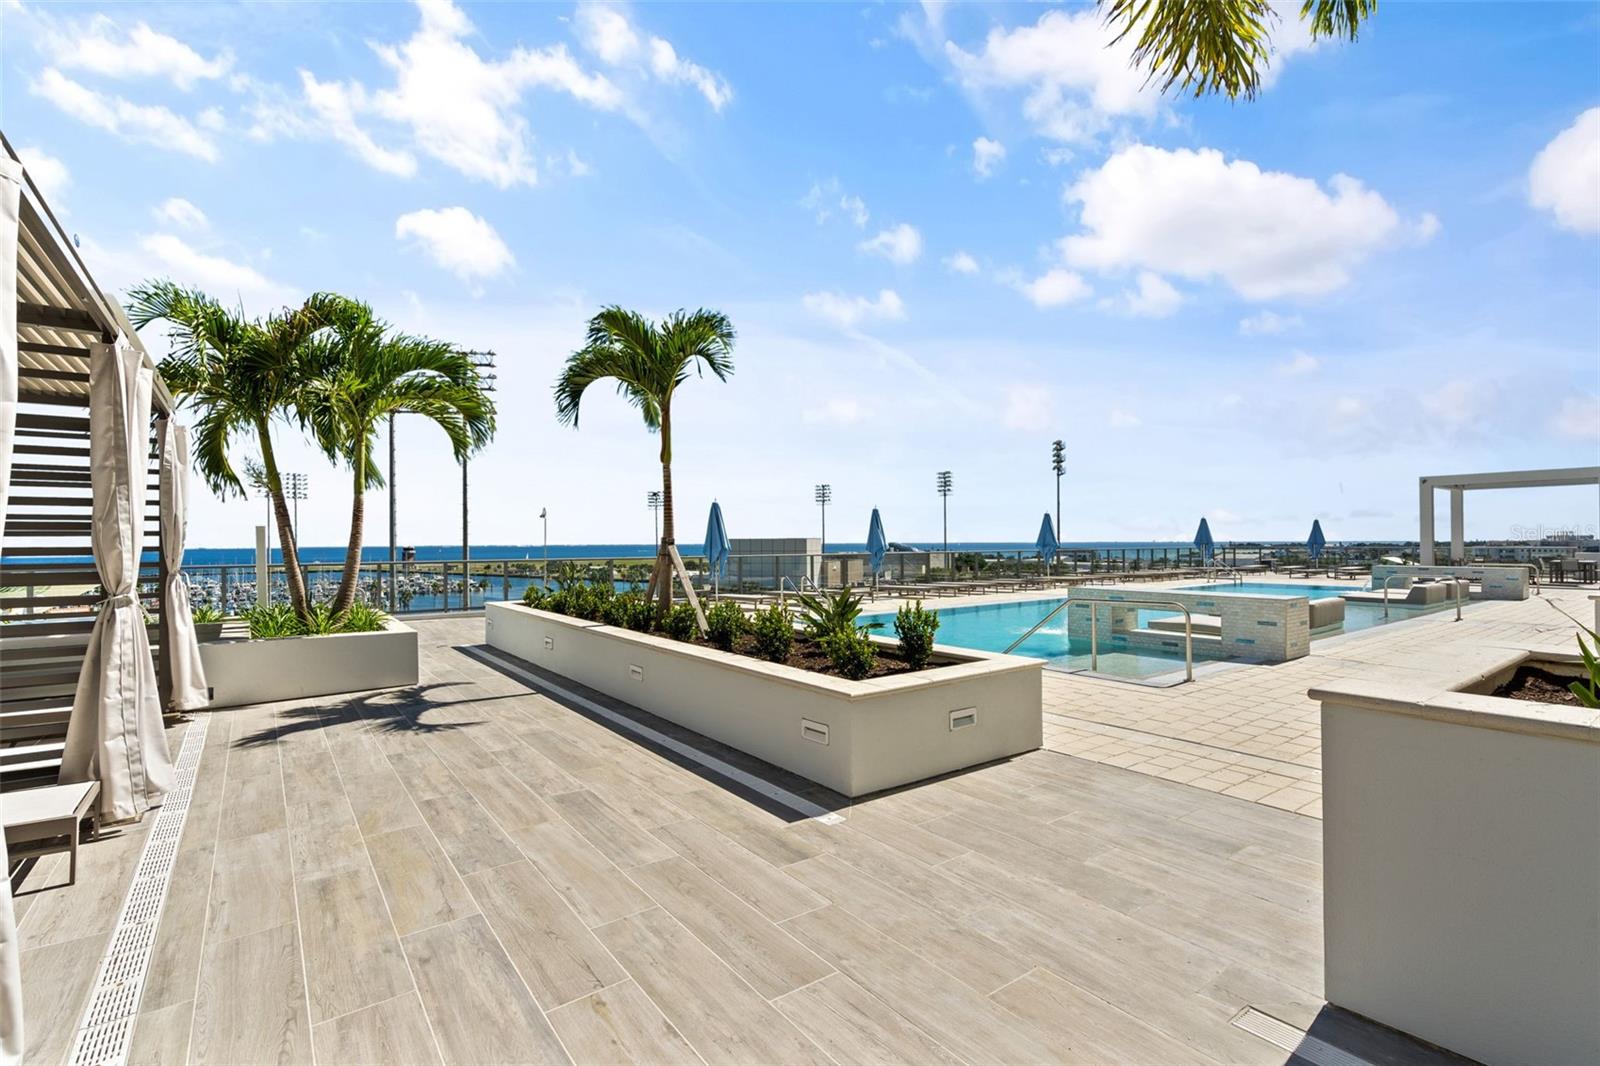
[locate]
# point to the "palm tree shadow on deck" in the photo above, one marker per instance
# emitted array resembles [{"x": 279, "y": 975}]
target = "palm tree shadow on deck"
[{"x": 387, "y": 710}]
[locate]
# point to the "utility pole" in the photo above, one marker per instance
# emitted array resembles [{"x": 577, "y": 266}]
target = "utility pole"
[
  {"x": 394, "y": 590},
  {"x": 483, "y": 364},
  {"x": 652, "y": 500},
  {"x": 945, "y": 488},
  {"x": 1058, "y": 462},
  {"x": 823, "y": 496}
]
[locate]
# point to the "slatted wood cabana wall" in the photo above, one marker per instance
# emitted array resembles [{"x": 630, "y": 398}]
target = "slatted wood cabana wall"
[{"x": 49, "y": 586}]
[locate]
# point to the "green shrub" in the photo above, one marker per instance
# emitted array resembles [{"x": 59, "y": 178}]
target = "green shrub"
[
  {"x": 271, "y": 621},
  {"x": 832, "y": 612},
  {"x": 363, "y": 618},
  {"x": 724, "y": 622},
  {"x": 851, "y": 653},
  {"x": 773, "y": 630},
  {"x": 630, "y": 610},
  {"x": 206, "y": 613},
  {"x": 581, "y": 601},
  {"x": 320, "y": 621},
  {"x": 536, "y": 596},
  {"x": 915, "y": 626},
  {"x": 681, "y": 623},
  {"x": 1588, "y": 691}
]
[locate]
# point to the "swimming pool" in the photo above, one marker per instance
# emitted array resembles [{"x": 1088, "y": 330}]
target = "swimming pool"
[
  {"x": 993, "y": 626},
  {"x": 1357, "y": 616},
  {"x": 1263, "y": 588}
]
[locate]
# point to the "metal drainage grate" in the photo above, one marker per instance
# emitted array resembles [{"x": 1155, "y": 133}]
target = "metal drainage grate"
[
  {"x": 106, "y": 1030},
  {"x": 1286, "y": 1037}
]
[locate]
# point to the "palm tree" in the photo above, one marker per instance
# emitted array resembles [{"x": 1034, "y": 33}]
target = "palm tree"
[
  {"x": 364, "y": 372},
  {"x": 648, "y": 362},
  {"x": 237, "y": 375},
  {"x": 1219, "y": 46}
]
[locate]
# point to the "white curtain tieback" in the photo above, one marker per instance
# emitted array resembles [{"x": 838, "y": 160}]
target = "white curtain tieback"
[{"x": 121, "y": 599}]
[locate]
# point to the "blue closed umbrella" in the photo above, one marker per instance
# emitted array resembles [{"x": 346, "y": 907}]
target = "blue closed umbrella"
[
  {"x": 1047, "y": 543},
  {"x": 877, "y": 543},
  {"x": 1316, "y": 542},
  {"x": 716, "y": 542},
  {"x": 1203, "y": 541}
]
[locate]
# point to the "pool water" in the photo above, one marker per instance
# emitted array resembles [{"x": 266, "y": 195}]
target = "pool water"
[
  {"x": 1262, "y": 588},
  {"x": 1357, "y": 616},
  {"x": 993, "y": 626}
]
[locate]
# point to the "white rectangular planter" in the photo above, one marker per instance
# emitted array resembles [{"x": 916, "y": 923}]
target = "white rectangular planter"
[
  {"x": 855, "y": 737},
  {"x": 1461, "y": 866},
  {"x": 263, "y": 671}
]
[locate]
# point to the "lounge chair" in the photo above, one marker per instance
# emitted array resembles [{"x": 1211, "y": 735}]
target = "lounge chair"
[{"x": 46, "y": 820}]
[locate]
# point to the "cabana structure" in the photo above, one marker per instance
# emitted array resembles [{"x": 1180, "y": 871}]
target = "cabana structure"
[
  {"x": 83, "y": 574},
  {"x": 1459, "y": 484}
]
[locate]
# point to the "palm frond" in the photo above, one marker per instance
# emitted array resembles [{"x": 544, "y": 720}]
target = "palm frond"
[
  {"x": 1337, "y": 18},
  {"x": 1207, "y": 46}
]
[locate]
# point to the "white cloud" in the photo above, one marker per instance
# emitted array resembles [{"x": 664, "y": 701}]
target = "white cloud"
[
  {"x": 99, "y": 47},
  {"x": 842, "y": 411},
  {"x": 181, "y": 213},
  {"x": 1425, "y": 228},
  {"x": 458, "y": 241},
  {"x": 1268, "y": 323},
  {"x": 961, "y": 263},
  {"x": 850, "y": 311},
  {"x": 226, "y": 280},
  {"x": 1074, "y": 78},
  {"x": 899, "y": 244},
  {"x": 1350, "y": 407},
  {"x": 1565, "y": 176},
  {"x": 1454, "y": 405},
  {"x": 1299, "y": 365},
  {"x": 1120, "y": 419},
  {"x": 606, "y": 31},
  {"x": 987, "y": 156},
  {"x": 450, "y": 102},
  {"x": 1151, "y": 297},
  {"x": 1054, "y": 288},
  {"x": 1579, "y": 418},
  {"x": 48, "y": 173},
  {"x": 1194, "y": 214},
  {"x": 1056, "y": 157},
  {"x": 825, "y": 196},
  {"x": 1027, "y": 407},
  {"x": 143, "y": 123}
]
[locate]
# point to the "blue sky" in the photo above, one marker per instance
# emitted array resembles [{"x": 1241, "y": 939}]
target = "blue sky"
[{"x": 947, "y": 234}]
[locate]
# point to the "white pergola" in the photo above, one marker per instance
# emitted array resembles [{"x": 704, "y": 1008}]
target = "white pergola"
[{"x": 1459, "y": 484}]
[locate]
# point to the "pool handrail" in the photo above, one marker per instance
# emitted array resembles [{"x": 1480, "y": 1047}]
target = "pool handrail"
[{"x": 1094, "y": 629}]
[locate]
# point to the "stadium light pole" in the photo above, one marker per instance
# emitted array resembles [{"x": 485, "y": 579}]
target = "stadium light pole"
[
  {"x": 483, "y": 364},
  {"x": 823, "y": 495},
  {"x": 945, "y": 488},
  {"x": 652, "y": 500},
  {"x": 294, "y": 487},
  {"x": 1058, "y": 463}
]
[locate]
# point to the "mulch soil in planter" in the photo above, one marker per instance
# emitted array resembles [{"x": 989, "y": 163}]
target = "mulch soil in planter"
[{"x": 1538, "y": 686}]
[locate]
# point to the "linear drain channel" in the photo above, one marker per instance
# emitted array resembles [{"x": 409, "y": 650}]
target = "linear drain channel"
[
  {"x": 106, "y": 1031},
  {"x": 1288, "y": 1038}
]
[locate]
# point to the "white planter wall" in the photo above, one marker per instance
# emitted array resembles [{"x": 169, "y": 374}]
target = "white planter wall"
[
  {"x": 1461, "y": 867},
  {"x": 263, "y": 671},
  {"x": 855, "y": 737}
]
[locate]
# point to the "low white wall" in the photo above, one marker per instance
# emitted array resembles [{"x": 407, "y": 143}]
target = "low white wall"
[
  {"x": 1461, "y": 869},
  {"x": 880, "y": 733},
  {"x": 1268, "y": 629},
  {"x": 263, "y": 671},
  {"x": 1494, "y": 582}
]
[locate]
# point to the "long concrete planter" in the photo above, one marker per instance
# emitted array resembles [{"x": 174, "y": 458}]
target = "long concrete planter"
[
  {"x": 855, "y": 737},
  {"x": 262, "y": 671},
  {"x": 1461, "y": 863}
]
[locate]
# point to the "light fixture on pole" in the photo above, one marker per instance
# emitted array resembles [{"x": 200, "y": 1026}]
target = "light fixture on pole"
[
  {"x": 544, "y": 520},
  {"x": 824, "y": 496},
  {"x": 394, "y": 581},
  {"x": 483, "y": 365},
  {"x": 294, "y": 487},
  {"x": 1058, "y": 463},
  {"x": 652, "y": 500},
  {"x": 945, "y": 488}
]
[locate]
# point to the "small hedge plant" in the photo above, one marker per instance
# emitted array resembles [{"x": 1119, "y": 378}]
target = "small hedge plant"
[
  {"x": 724, "y": 624},
  {"x": 851, "y": 652},
  {"x": 629, "y": 611},
  {"x": 773, "y": 630},
  {"x": 681, "y": 622},
  {"x": 915, "y": 626}
]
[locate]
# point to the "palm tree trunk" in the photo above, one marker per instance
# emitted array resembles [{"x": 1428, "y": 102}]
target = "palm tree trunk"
[
  {"x": 352, "y": 553},
  {"x": 280, "y": 513}
]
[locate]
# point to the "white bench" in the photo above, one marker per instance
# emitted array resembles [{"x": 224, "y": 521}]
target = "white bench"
[{"x": 38, "y": 817}]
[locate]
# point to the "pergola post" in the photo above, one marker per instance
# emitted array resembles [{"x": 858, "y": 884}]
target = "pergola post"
[
  {"x": 1458, "y": 525},
  {"x": 1425, "y": 531}
]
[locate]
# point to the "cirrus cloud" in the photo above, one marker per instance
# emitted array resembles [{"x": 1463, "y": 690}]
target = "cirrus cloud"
[{"x": 851, "y": 311}]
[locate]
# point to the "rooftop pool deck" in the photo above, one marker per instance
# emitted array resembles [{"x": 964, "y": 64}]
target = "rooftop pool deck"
[{"x": 475, "y": 869}]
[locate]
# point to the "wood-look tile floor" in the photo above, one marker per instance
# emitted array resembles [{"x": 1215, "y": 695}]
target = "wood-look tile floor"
[{"x": 471, "y": 872}]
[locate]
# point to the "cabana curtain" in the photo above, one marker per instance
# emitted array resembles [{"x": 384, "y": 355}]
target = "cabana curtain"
[
  {"x": 185, "y": 673},
  {"x": 11, "y": 1043},
  {"x": 115, "y": 734}
]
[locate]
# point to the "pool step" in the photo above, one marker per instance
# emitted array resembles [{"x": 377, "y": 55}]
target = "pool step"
[{"x": 1202, "y": 625}]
